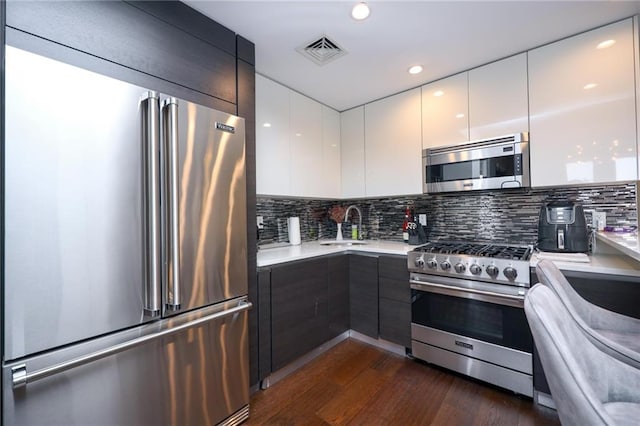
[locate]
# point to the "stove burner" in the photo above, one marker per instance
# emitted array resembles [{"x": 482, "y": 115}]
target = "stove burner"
[{"x": 480, "y": 250}]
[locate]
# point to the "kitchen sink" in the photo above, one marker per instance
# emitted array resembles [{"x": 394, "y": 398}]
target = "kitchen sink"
[{"x": 343, "y": 243}]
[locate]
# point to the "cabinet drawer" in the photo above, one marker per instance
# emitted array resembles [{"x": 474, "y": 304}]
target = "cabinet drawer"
[{"x": 393, "y": 267}]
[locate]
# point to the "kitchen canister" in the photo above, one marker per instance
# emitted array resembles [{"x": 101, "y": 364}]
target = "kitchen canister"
[{"x": 293, "y": 226}]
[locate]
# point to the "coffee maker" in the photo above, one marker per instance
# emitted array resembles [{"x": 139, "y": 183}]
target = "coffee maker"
[{"x": 562, "y": 227}]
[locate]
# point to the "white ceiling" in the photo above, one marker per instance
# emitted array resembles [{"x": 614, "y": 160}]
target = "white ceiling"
[{"x": 444, "y": 37}]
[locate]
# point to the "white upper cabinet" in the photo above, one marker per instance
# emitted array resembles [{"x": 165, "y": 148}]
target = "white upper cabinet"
[
  {"x": 352, "y": 152},
  {"x": 297, "y": 144},
  {"x": 393, "y": 160},
  {"x": 582, "y": 108},
  {"x": 305, "y": 145},
  {"x": 330, "y": 175},
  {"x": 272, "y": 138},
  {"x": 445, "y": 110},
  {"x": 498, "y": 102}
]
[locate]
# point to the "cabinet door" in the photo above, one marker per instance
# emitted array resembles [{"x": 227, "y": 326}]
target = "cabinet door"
[
  {"x": 498, "y": 99},
  {"x": 299, "y": 320},
  {"x": 263, "y": 361},
  {"x": 395, "y": 300},
  {"x": 445, "y": 109},
  {"x": 352, "y": 152},
  {"x": 330, "y": 174},
  {"x": 393, "y": 154},
  {"x": 338, "y": 295},
  {"x": 582, "y": 107},
  {"x": 305, "y": 145},
  {"x": 272, "y": 138},
  {"x": 363, "y": 294}
]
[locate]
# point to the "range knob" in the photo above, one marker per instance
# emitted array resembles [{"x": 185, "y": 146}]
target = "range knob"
[
  {"x": 475, "y": 269},
  {"x": 432, "y": 264},
  {"x": 460, "y": 268},
  {"x": 510, "y": 273},
  {"x": 493, "y": 271},
  {"x": 420, "y": 262},
  {"x": 445, "y": 265}
]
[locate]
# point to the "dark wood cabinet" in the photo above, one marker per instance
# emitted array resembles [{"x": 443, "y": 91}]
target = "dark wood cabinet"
[
  {"x": 395, "y": 300},
  {"x": 132, "y": 35},
  {"x": 299, "y": 309},
  {"x": 363, "y": 294},
  {"x": 338, "y": 287}
]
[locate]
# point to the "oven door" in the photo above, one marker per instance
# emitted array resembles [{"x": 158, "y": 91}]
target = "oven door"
[
  {"x": 482, "y": 315},
  {"x": 473, "y": 330},
  {"x": 462, "y": 169}
]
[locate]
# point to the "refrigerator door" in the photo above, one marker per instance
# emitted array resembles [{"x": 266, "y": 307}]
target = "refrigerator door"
[
  {"x": 74, "y": 226},
  {"x": 187, "y": 370},
  {"x": 206, "y": 234}
]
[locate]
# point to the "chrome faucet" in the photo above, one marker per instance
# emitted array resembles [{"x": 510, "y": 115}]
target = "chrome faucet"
[{"x": 346, "y": 216}]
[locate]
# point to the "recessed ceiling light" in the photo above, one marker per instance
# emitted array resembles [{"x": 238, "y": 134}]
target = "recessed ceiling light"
[
  {"x": 416, "y": 69},
  {"x": 360, "y": 11},
  {"x": 461, "y": 115},
  {"x": 438, "y": 93},
  {"x": 605, "y": 44},
  {"x": 589, "y": 86},
  {"x": 266, "y": 125}
]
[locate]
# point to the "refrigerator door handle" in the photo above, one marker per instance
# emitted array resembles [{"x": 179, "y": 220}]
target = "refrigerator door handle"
[
  {"x": 153, "y": 240},
  {"x": 170, "y": 142},
  {"x": 20, "y": 377}
]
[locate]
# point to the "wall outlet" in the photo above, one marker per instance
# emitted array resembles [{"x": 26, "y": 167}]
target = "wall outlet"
[
  {"x": 260, "y": 222},
  {"x": 423, "y": 219},
  {"x": 599, "y": 220}
]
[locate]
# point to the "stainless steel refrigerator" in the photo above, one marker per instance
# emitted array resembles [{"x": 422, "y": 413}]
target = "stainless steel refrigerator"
[{"x": 125, "y": 274}]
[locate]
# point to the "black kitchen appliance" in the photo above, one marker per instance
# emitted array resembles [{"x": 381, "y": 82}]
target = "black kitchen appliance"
[{"x": 562, "y": 227}]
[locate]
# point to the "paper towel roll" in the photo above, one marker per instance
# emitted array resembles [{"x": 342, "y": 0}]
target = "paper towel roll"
[{"x": 293, "y": 224}]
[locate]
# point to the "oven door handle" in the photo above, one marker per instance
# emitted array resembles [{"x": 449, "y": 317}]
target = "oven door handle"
[{"x": 469, "y": 293}]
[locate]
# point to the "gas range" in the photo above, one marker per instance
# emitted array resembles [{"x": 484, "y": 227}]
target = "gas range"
[{"x": 493, "y": 263}]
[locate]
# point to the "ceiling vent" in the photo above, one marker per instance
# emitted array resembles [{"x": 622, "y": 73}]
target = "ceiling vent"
[{"x": 321, "y": 50}]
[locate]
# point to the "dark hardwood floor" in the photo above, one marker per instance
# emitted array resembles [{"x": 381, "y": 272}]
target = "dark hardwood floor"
[{"x": 358, "y": 384}]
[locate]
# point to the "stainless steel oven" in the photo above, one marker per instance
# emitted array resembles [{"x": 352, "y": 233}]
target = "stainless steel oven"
[
  {"x": 486, "y": 164},
  {"x": 467, "y": 311}
]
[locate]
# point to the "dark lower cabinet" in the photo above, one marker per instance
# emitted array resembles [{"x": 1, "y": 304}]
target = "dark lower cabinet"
[
  {"x": 395, "y": 300},
  {"x": 338, "y": 286},
  {"x": 363, "y": 294},
  {"x": 612, "y": 292},
  {"x": 299, "y": 309},
  {"x": 262, "y": 363}
]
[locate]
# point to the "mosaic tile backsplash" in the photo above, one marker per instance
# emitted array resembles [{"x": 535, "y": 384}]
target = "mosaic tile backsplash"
[{"x": 507, "y": 216}]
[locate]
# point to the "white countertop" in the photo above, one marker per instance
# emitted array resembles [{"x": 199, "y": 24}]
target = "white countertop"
[
  {"x": 601, "y": 263},
  {"x": 626, "y": 243},
  {"x": 271, "y": 256}
]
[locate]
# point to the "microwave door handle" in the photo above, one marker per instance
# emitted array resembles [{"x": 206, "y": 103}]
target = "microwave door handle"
[
  {"x": 151, "y": 149},
  {"x": 170, "y": 135}
]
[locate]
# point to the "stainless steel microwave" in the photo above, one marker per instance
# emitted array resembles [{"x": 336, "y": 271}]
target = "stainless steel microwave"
[{"x": 495, "y": 163}]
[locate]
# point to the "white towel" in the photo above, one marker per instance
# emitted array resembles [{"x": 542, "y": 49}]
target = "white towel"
[{"x": 563, "y": 257}]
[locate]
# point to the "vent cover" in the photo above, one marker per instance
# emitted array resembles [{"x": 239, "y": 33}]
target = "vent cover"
[{"x": 321, "y": 50}]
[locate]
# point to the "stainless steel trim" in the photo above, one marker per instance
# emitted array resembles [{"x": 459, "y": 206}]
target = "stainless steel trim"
[
  {"x": 509, "y": 379},
  {"x": 468, "y": 293},
  {"x": 236, "y": 418},
  {"x": 513, "y": 359},
  {"x": 170, "y": 136},
  {"x": 507, "y": 139},
  {"x": 151, "y": 147},
  {"x": 20, "y": 377}
]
